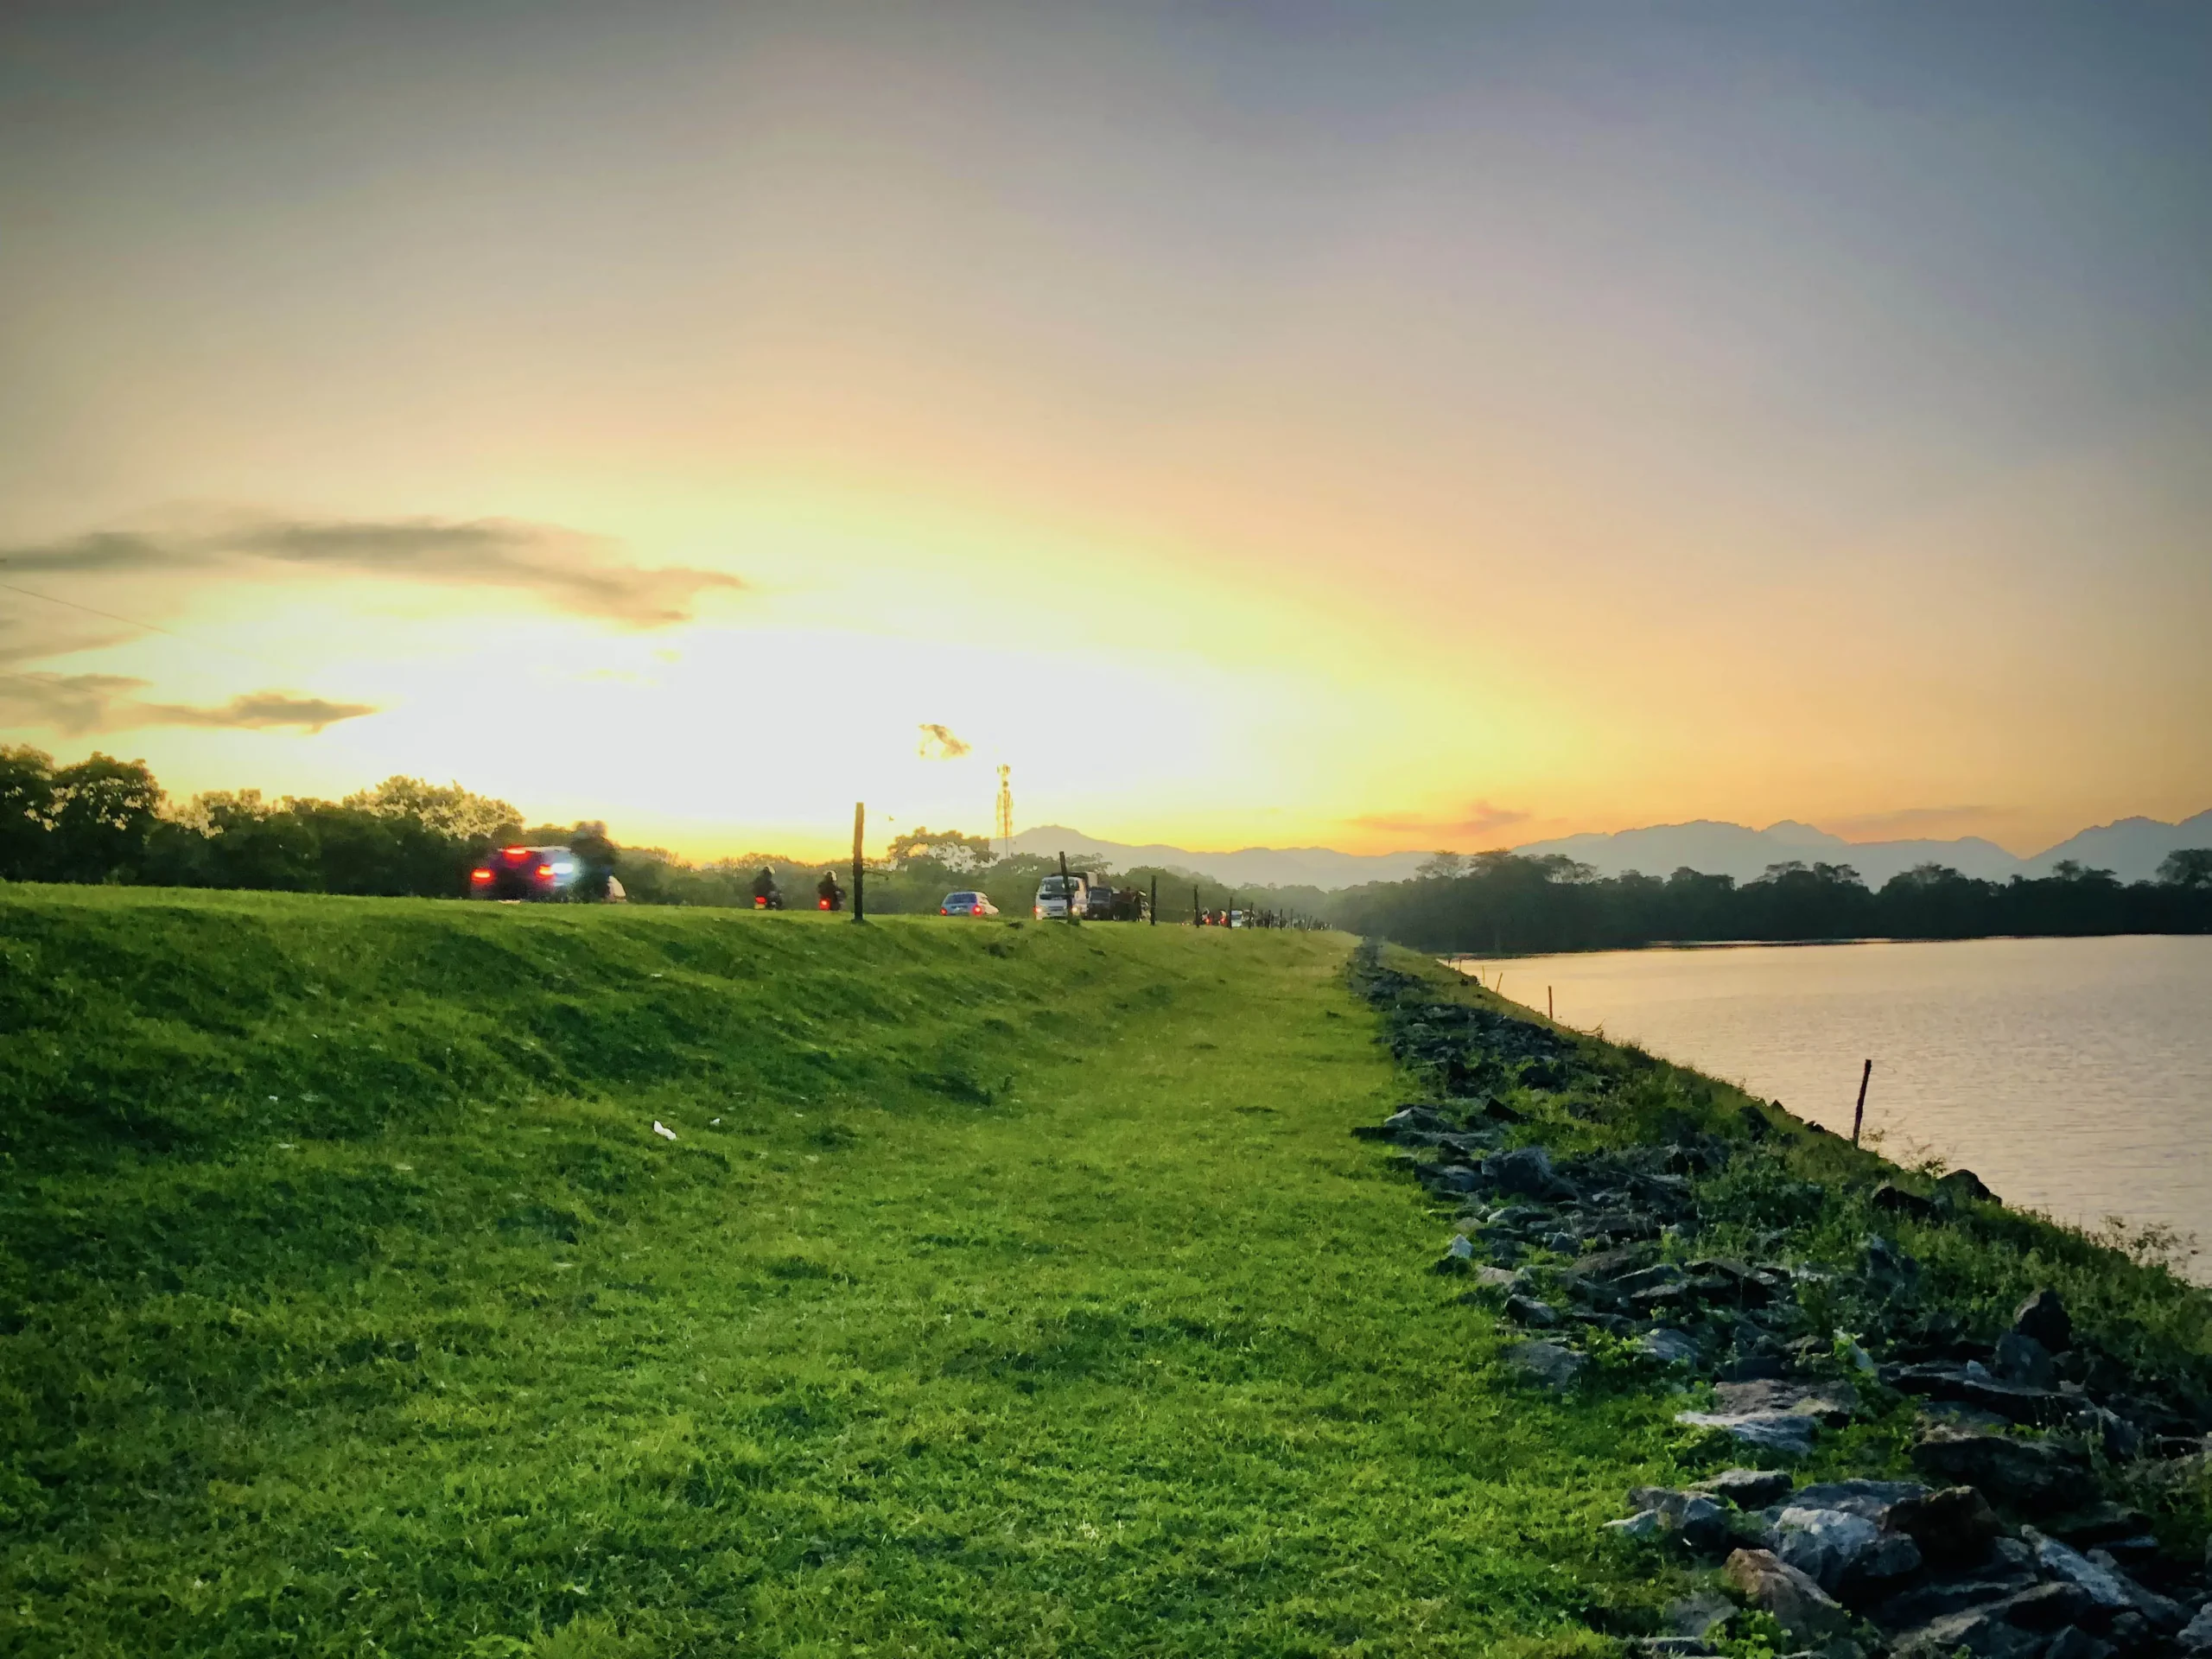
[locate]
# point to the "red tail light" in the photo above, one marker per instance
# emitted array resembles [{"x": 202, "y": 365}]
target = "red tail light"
[
  {"x": 479, "y": 875},
  {"x": 545, "y": 869},
  {"x": 759, "y": 903},
  {"x": 822, "y": 904}
]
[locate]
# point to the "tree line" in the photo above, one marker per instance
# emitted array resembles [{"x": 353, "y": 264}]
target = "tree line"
[
  {"x": 1502, "y": 903},
  {"x": 102, "y": 820},
  {"x": 105, "y": 820},
  {"x": 109, "y": 821}
]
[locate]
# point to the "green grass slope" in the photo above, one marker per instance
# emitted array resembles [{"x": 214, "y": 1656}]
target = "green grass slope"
[{"x": 1007, "y": 1289}]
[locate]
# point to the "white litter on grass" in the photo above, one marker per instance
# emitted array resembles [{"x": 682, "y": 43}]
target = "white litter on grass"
[
  {"x": 286, "y": 1146},
  {"x": 662, "y": 1130},
  {"x": 712, "y": 1122}
]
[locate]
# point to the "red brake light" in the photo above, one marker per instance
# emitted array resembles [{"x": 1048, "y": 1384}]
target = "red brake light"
[
  {"x": 545, "y": 869},
  {"x": 822, "y": 904},
  {"x": 759, "y": 903},
  {"x": 479, "y": 875}
]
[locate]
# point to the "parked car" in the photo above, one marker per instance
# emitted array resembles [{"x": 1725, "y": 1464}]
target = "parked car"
[
  {"x": 526, "y": 872},
  {"x": 1060, "y": 896},
  {"x": 967, "y": 903}
]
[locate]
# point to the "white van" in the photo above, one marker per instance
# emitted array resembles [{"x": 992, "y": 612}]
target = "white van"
[{"x": 1057, "y": 895}]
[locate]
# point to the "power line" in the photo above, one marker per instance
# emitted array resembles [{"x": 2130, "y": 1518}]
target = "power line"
[{"x": 136, "y": 622}]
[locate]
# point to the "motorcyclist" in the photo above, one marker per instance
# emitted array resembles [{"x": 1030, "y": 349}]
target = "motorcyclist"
[
  {"x": 765, "y": 895},
  {"x": 829, "y": 895}
]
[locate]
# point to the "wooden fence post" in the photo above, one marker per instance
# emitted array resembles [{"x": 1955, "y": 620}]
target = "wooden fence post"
[{"x": 860, "y": 869}]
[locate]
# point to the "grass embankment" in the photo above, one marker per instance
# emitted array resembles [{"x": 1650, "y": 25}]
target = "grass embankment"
[{"x": 1007, "y": 1289}]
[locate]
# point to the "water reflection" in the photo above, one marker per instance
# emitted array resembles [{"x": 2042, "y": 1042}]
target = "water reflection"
[{"x": 2073, "y": 1075}]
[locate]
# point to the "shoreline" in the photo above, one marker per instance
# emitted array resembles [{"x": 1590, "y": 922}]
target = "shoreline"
[{"x": 1639, "y": 1220}]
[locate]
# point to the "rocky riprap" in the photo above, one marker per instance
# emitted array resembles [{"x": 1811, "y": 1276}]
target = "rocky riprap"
[{"x": 2008, "y": 1544}]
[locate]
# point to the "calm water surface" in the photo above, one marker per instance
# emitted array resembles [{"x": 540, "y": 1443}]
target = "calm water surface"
[{"x": 2074, "y": 1076}]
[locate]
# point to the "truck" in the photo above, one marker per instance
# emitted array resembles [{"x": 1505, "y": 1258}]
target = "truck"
[{"x": 1059, "y": 897}]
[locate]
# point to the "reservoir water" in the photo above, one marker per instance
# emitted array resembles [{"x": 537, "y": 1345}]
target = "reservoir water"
[{"x": 2074, "y": 1076}]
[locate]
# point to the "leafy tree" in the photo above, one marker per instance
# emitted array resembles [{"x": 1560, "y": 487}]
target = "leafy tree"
[
  {"x": 1441, "y": 866},
  {"x": 104, "y": 811},
  {"x": 27, "y": 807},
  {"x": 2188, "y": 867},
  {"x": 448, "y": 808},
  {"x": 957, "y": 854}
]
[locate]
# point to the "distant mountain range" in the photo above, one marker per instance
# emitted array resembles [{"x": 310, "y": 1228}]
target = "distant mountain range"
[{"x": 2132, "y": 850}]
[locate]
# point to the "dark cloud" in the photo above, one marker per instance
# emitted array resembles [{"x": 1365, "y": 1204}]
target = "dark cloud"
[
  {"x": 94, "y": 554},
  {"x": 585, "y": 575},
  {"x": 939, "y": 744},
  {"x": 259, "y": 711},
  {"x": 76, "y": 705},
  {"x": 1479, "y": 819}
]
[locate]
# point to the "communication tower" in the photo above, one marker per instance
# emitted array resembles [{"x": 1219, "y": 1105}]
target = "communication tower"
[{"x": 1002, "y": 825}]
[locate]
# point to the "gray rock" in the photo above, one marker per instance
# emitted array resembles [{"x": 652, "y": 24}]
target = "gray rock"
[
  {"x": 1948, "y": 1414},
  {"x": 1525, "y": 1170},
  {"x": 1644, "y": 1524},
  {"x": 2037, "y": 1476},
  {"x": 1424, "y": 1118},
  {"x": 1791, "y": 1432},
  {"x": 1820, "y": 1543},
  {"x": 1798, "y": 1604},
  {"x": 1703, "y": 1526},
  {"x": 1607, "y": 1265},
  {"x": 2043, "y": 1317},
  {"x": 1872, "y": 1499},
  {"x": 1964, "y": 1187},
  {"x": 1547, "y": 1362},
  {"x": 1698, "y": 1614},
  {"x": 1747, "y": 1489},
  {"x": 1526, "y": 1310},
  {"x": 1845, "y": 1553},
  {"x": 2161, "y": 1614},
  {"x": 2012, "y": 1628},
  {"x": 1975, "y": 1632},
  {"x": 2106, "y": 1591},
  {"x": 1952, "y": 1526},
  {"x": 1669, "y": 1346},
  {"x": 1832, "y": 1402},
  {"x": 2197, "y": 1636},
  {"x": 2075, "y": 1643},
  {"x": 1913, "y": 1608},
  {"x": 2024, "y": 1360},
  {"x": 1497, "y": 1279},
  {"x": 2122, "y": 1440},
  {"x": 1651, "y": 1278},
  {"x": 1692, "y": 1517}
]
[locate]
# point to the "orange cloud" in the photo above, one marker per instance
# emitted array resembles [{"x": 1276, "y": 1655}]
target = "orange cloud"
[{"x": 1479, "y": 819}]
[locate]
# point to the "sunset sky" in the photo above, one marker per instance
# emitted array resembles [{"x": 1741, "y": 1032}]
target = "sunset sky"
[{"x": 1377, "y": 425}]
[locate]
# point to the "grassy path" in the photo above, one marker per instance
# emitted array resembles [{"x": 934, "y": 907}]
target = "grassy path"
[{"x": 1028, "y": 1297}]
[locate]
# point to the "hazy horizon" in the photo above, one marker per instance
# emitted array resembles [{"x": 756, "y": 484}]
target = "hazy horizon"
[{"x": 1377, "y": 428}]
